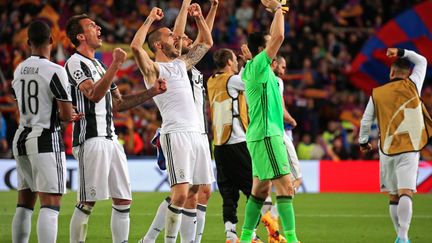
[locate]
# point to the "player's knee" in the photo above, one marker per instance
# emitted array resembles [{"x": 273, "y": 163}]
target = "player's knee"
[
  {"x": 179, "y": 199},
  {"x": 407, "y": 192},
  {"x": 261, "y": 192},
  {"x": 204, "y": 194},
  {"x": 50, "y": 199},
  {"x": 119, "y": 201}
]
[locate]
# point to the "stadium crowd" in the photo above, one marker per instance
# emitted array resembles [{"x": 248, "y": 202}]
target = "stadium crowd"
[{"x": 322, "y": 39}]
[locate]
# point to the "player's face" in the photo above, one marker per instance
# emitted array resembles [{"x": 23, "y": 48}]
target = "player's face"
[
  {"x": 92, "y": 33},
  {"x": 186, "y": 43},
  {"x": 235, "y": 63},
  {"x": 167, "y": 43},
  {"x": 280, "y": 67}
]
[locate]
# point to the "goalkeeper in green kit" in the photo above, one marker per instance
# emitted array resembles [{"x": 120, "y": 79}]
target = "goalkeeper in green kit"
[{"x": 264, "y": 136}]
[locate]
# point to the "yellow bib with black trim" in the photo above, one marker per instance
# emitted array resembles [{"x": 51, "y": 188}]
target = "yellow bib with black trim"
[
  {"x": 403, "y": 121},
  {"x": 222, "y": 108}
]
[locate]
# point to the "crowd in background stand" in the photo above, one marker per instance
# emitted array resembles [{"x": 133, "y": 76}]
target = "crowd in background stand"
[{"x": 322, "y": 38}]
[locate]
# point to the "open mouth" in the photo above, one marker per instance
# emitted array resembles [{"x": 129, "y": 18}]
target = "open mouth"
[{"x": 99, "y": 36}]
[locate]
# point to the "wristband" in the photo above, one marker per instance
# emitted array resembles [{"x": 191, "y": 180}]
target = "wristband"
[
  {"x": 400, "y": 52},
  {"x": 364, "y": 145}
]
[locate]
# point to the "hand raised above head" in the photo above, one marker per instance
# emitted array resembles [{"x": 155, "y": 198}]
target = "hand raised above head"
[
  {"x": 246, "y": 54},
  {"x": 156, "y": 14},
  {"x": 194, "y": 10},
  {"x": 392, "y": 52}
]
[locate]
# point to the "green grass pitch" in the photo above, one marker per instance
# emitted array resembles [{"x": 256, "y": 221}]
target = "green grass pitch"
[{"x": 321, "y": 218}]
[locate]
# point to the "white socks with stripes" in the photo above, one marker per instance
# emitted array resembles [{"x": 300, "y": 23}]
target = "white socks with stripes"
[
  {"x": 188, "y": 225},
  {"x": 21, "y": 224},
  {"x": 79, "y": 223},
  {"x": 158, "y": 223},
  {"x": 172, "y": 223},
  {"x": 47, "y": 224},
  {"x": 404, "y": 212},
  {"x": 120, "y": 223},
  {"x": 201, "y": 212}
]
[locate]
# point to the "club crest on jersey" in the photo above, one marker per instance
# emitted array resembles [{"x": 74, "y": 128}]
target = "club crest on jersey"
[{"x": 78, "y": 74}]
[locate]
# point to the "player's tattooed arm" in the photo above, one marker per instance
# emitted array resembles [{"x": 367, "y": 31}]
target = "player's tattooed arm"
[
  {"x": 198, "y": 51},
  {"x": 126, "y": 102},
  {"x": 195, "y": 55}
]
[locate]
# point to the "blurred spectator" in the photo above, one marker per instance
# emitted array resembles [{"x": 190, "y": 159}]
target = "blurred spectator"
[{"x": 4, "y": 147}]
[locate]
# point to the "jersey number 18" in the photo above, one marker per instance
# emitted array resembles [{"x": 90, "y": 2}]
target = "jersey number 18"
[{"x": 32, "y": 92}]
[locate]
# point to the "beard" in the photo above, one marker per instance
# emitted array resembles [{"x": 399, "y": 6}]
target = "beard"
[{"x": 169, "y": 50}]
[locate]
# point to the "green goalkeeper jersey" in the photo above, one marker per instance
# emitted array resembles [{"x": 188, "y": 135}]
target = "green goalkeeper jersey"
[{"x": 264, "y": 99}]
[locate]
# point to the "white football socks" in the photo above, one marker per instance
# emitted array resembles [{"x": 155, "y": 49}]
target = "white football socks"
[
  {"x": 120, "y": 223},
  {"x": 47, "y": 224},
  {"x": 404, "y": 212},
  {"x": 21, "y": 224},
  {"x": 188, "y": 225}
]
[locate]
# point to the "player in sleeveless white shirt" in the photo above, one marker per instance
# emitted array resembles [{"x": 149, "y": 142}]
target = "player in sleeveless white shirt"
[
  {"x": 181, "y": 134},
  {"x": 193, "y": 216},
  {"x": 398, "y": 173},
  {"x": 42, "y": 94},
  {"x": 176, "y": 105}
]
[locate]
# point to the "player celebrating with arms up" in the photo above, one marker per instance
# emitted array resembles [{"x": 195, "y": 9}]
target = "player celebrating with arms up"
[{"x": 264, "y": 136}]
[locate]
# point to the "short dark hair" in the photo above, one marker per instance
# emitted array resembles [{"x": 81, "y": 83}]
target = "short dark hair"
[
  {"x": 153, "y": 36},
  {"x": 221, "y": 57},
  {"x": 73, "y": 28},
  {"x": 401, "y": 64},
  {"x": 255, "y": 41},
  {"x": 39, "y": 33}
]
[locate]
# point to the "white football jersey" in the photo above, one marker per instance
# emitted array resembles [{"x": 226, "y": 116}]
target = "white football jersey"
[
  {"x": 37, "y": 85},
  {"x": 98, "y": 117},
  {"x": 199, "y": 94},
  {"x": 176, "y": 105}
]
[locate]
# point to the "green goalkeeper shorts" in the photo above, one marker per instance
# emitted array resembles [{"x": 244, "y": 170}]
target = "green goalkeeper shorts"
[{"x": 269, "y": 158}]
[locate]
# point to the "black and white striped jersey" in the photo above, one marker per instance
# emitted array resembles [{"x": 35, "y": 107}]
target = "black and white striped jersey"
[
  {"x": 97, "y": 121},
  {"x": 37, "y": 85},
  {"x": 199, "y": 93}
]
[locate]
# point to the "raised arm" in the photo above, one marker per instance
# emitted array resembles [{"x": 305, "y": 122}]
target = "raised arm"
[
  {"x": 277, "y": 28},
  {"x": 126, "y": 102},
  {"x": 96, "y": 91},
  {"x": 420, "y": 67},
  {"x": 200, "y": 49},
  {"x": 148, "y": 68},
  {"x": 420, "y": 64},
  {"x": 180, "y": 22},
  {"x": 209, "y": 19}
]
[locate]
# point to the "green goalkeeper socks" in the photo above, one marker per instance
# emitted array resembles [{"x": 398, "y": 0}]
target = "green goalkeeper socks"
[
  {"x": 286, "y": 214},
  {"x": 252, "y": 215}
]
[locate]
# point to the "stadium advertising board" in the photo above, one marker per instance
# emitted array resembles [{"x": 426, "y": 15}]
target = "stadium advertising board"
[{"x": 318, "y": 176}]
